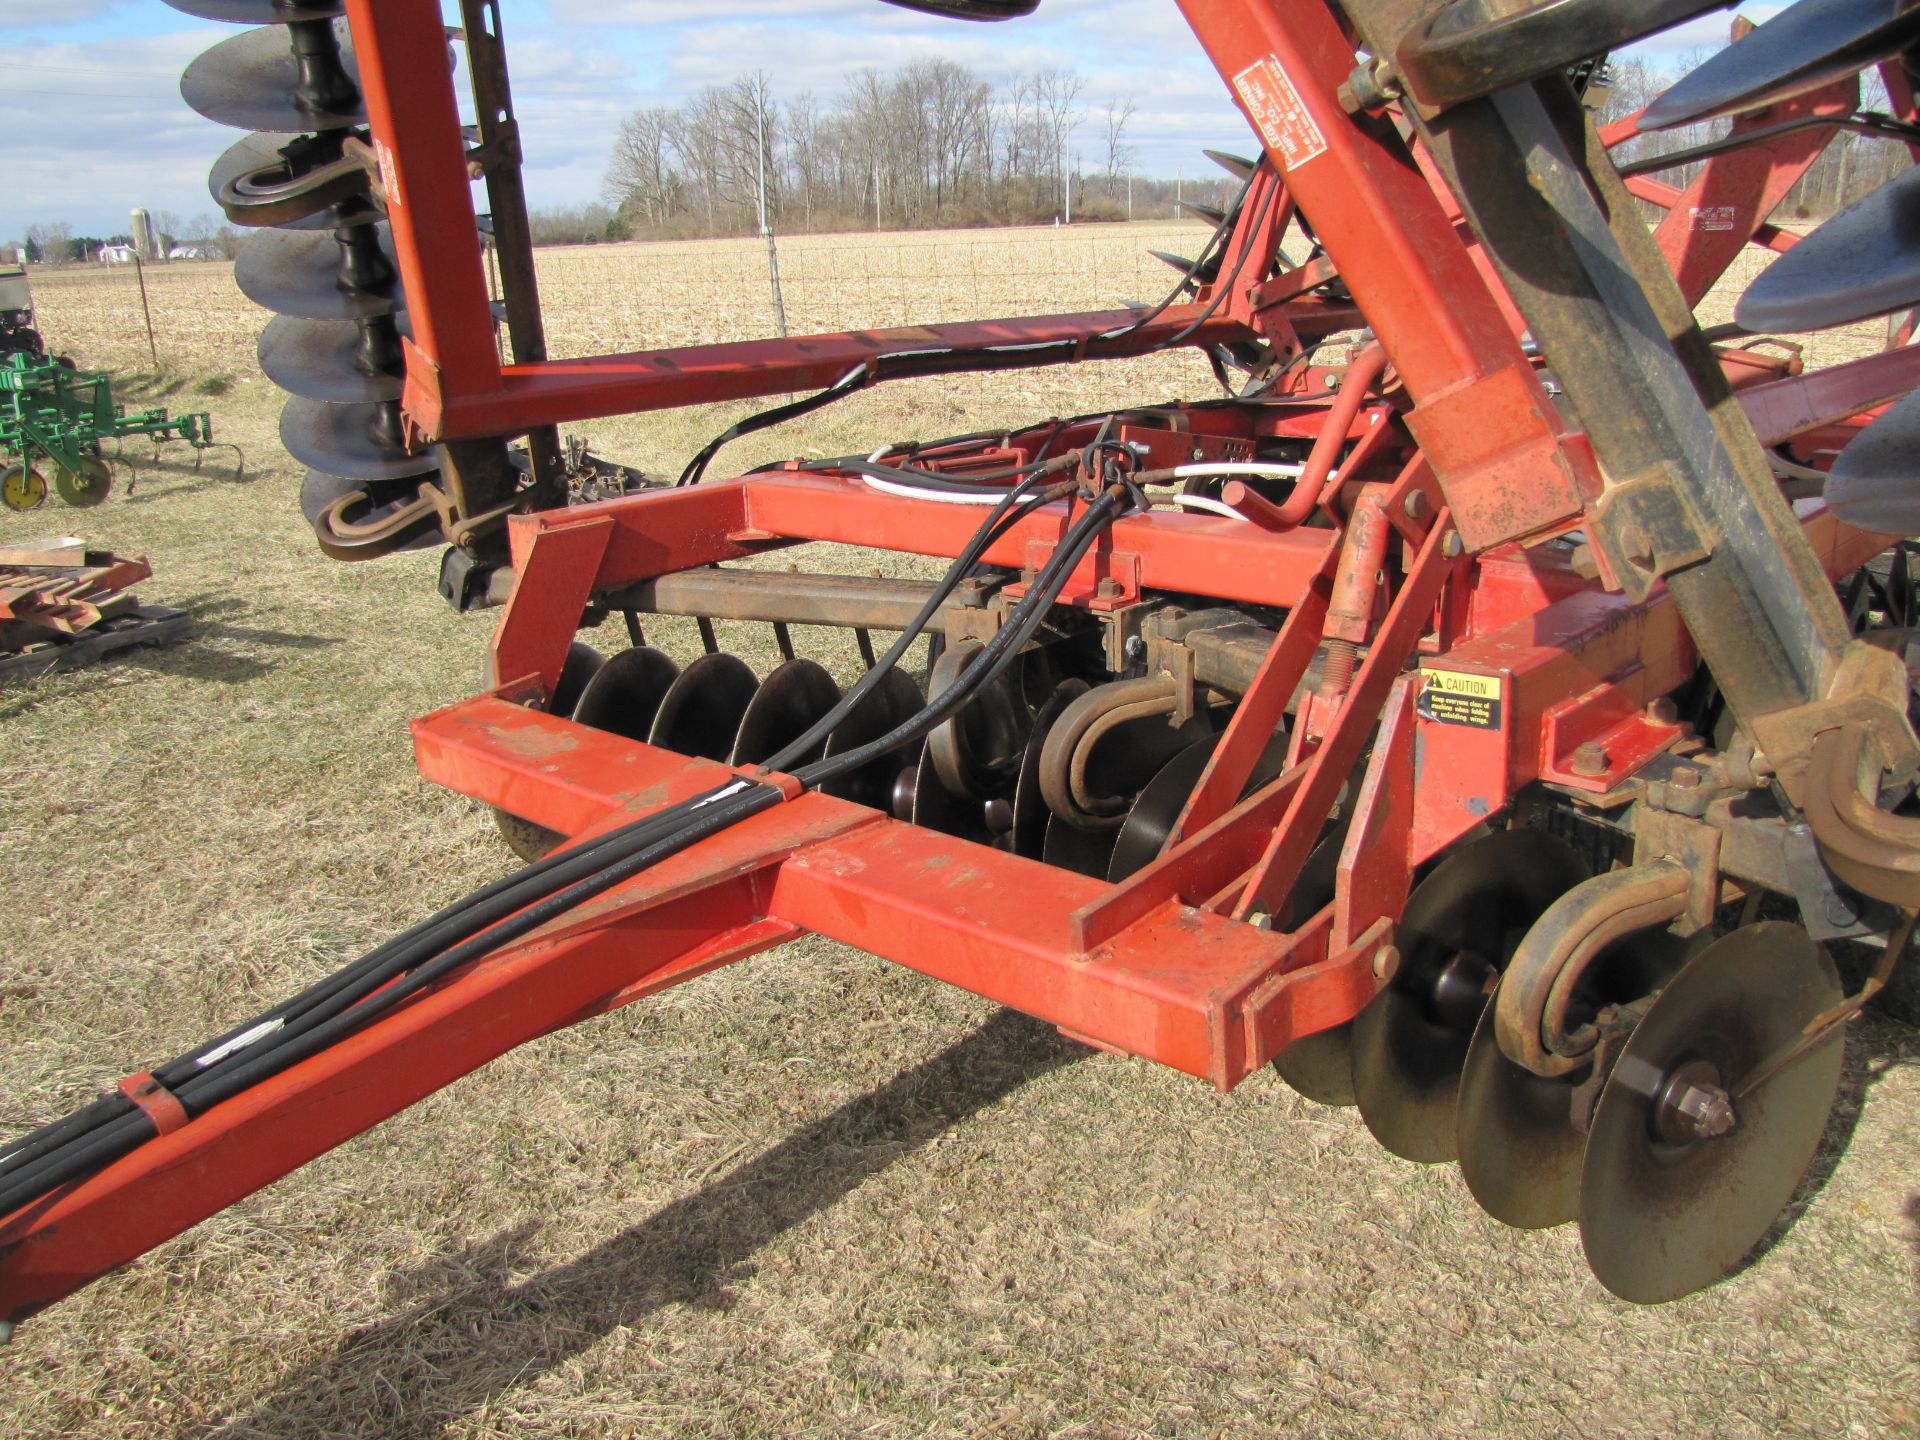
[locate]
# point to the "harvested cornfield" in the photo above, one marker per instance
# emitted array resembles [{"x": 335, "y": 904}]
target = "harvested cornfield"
[{"x": 814, "y": 1195}]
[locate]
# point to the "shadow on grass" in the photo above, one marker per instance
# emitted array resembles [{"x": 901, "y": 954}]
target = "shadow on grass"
[
  {"x": 1876, "y": 1044},
  {"x": 470, "y": 1333},
  {"x": 190, "y": 656}
]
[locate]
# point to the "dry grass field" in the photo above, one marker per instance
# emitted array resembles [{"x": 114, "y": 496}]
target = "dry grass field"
[{"x": 812, "y": 1195}]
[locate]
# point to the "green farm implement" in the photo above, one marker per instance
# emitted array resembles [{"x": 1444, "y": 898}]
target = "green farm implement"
[{"x": 54, "y": 414}]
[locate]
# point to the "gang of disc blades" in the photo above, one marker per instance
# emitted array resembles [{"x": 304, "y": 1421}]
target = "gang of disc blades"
[
  {"x": 322, "y": 360},
  {"x": 304, "y": 273},
  {"x": 251, "y": 82},
  {"x": 1460, "y": 926},
  {"x": 701, "y": 713},
  {"x": 259, "y": 12},
  {"x": 625, "y": 694},
  {"x": 1875, "y": 483},
  {"x": 1806, "y": 46},
  {"x": 791, "y": 700},
  {"x": 1862, "y": 263},
  {"x": 320, "y": 492},
  {"x": 894, "y": 700},
  {"x": 1318, "y": 1066},
  {"x": 1519, "y": 1150},
  {"x": 1661, "y": 1219},
  {"x": 355, "y": 440}
]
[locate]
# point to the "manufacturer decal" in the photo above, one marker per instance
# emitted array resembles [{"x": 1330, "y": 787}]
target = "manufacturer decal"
[{"x": 1292, "y": 135}]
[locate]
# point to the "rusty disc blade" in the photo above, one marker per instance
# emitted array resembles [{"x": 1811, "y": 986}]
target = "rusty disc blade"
[
  {"x": 1461, "y": 925},
  {"x": 893, "y": 701},
  {"x": 1875, "y": 484},
  {"x": 1519, "y": 1150},
  {"x": 328, "y": 359},
  {"x": 1085, "y": 852},
  {"x": 1659, "y": 1217},
  {"x": 702, "y": 710},
  {"x": 1318, "y": 1066},
  {"x": 789, "y": 702},
  {"x": 310, "y": 274},
  {"x": 259, "y": 12},
  {"x": 253, "y": 82},
  {"x": 1806, "y": 46},
  {"x": 625, "y": 693},
  {"x": 1863, "y": 262},
  {"x": 355, "y": 440}
]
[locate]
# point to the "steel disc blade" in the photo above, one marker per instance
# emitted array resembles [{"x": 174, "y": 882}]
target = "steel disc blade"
[
  {"x": 701, "y": 712},
  {"x": 893, "y": 701},
  {"x": 1028, "y": 835},
  {"x": 1519, "y": 1150},
  {"x": 932, "y": 807},
  {"x": 1660, "y": 1219},
  {"x": 1875, "y": 484},
  {"x": 253, "y": 82},
  {"x": 1085, "y": 852},
  {"x": 355, "y": 440},
  {"x": 326, "y": 359},
  {"x": 1804, "y": 47},
  {"x": 306, "y": 273},
  {"x": 625, "y": 694},
  {"x": 1318, "y": 1066},
  {"x": 320, "y": 492},
  {"x": 977, "y": 751},
  {"x": 259, "y": 12},
  {"x": 1151, "y": 820},
  {"x": 1863, "y": 262},
  {"x": 789, "y": 703},
  {"x": 1460, "y": 925},
  {"x": 583, "y": 662}
]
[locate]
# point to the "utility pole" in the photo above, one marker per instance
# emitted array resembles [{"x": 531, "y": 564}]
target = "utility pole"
[
  {"x": 766, "y": 230},
  {"x": 1129, "y": 197}
]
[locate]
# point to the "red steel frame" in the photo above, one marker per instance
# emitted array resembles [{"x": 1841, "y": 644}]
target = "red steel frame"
[{"x": 1161, "y": 966}]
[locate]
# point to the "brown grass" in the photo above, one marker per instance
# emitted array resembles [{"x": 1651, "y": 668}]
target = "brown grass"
[{"x": 813, "y": 1195}]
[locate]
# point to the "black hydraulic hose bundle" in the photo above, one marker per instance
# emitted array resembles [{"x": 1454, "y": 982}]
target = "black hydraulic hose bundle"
[{"x": 510, "y": 908}]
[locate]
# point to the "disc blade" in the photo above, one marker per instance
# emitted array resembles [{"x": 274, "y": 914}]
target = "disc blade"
[
  {"x": 1661, "y": 1219},
  {"x": 353, "y": 440},
  {"x": 583, "y": 662},
  {"x": 625, "y": 694},
  {"x": 1318, "y": 1066},
  {"x": 1028, "y": 835},
  {"x": 1519, "y": 1150},
  {"x": 326, "y": 359},
  {"x": 259, "y": 12},
  {"x": 253, "y": 82},
  {"x": 1875, "y": 484},
  {"x": 701, "y": 712},
  {"x": 307, "y": 274},
  {"x": 1863, "y": 262},
  {"x": 1085, "y": 852},
  {"x": 1459, "y": 927},
  {"x": 894, "y": 700},
  {"x": 790, "y": 701},
  {"x": 1807, "y": 45}
]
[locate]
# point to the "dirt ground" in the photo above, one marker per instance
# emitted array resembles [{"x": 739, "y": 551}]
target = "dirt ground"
[{"x": 811, "y": 1195}]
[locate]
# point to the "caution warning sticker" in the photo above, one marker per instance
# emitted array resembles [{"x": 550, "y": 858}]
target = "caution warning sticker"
[
  {"x": 1292, "y": 135},
  {"x": 1453, "y": 697}
]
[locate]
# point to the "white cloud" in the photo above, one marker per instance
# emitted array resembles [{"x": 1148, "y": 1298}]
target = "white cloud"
[{"x": 38, "y": 15}]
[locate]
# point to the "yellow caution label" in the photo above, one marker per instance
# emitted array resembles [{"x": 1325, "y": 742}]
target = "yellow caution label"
[{"x": 1454, "y": 697}]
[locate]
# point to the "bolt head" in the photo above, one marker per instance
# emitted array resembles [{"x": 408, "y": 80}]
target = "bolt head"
[
  {"x": 1589, "y": 759},
  {"x": 1386, "y": 963},
  {"x": 1415, "y": 505},
  {"x": 1686, "y": 779},
  {"x": 1453, "y": 547}
]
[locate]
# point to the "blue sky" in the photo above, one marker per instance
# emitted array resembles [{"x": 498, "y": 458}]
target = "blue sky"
[{"x": 91, "y": 122}]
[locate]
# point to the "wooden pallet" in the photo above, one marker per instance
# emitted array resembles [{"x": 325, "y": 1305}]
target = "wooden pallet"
[{"x": 141, "y": 625}]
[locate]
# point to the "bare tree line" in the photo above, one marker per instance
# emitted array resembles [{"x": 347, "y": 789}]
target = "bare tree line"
[{"x": 929, "y": 143}]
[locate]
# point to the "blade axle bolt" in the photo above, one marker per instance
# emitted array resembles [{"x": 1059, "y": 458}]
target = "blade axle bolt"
[{"x": 1693, "y": 1105}]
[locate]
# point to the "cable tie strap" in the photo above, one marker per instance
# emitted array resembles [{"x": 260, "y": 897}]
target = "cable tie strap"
[
  {"x": 791, "y": 787},
  {"x": 161, "y": 1105}
]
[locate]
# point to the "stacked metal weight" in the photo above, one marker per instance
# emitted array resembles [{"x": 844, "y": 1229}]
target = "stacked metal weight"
[
  {"x": 1861, "y": 264},
  {"x": 325, "y": 269}
]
